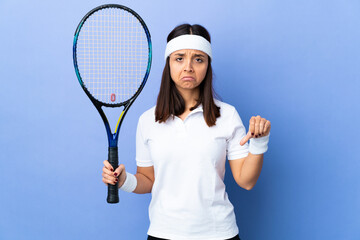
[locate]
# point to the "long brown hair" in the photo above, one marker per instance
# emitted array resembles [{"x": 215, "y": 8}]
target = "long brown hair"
[{"x": 170, "y": 102}]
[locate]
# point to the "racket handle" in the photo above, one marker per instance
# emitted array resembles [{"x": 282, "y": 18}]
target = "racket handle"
[{"x": 113, "y": 190}]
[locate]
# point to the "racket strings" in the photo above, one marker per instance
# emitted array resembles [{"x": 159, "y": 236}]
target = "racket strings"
[{"x": 112, "y": 54}]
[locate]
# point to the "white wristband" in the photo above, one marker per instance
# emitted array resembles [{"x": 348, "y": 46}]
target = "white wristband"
[
  {"x": 259, "y": 145},
  {"x": 130, "y": 183}
]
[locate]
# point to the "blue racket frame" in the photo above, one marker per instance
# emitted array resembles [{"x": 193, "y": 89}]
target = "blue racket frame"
[{"x": 112, "y": 137}]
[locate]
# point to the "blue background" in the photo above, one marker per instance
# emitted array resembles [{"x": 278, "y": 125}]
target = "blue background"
[{"x": 295, "y": 63}]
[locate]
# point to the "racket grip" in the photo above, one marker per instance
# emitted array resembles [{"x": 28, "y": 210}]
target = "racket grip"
[{"x": 113, "y": 190}]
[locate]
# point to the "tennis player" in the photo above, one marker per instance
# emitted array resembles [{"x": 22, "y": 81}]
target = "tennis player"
[{"x": 182, "y": 144}]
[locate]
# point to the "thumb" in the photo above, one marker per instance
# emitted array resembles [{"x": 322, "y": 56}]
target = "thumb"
[
  {"x": 245, "y": 139},
  {"x": 120, "y": 170}
]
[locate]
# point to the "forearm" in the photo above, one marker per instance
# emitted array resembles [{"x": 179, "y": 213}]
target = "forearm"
[
  {"x": 144, "y": 184},
  {"x": 251, "y": 170}
]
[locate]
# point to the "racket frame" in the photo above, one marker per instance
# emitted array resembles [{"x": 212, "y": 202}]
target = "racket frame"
[{"x": 112, "y": 137}]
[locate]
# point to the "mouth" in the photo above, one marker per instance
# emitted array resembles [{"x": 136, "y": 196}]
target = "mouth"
[{"x": 187, "y": 78}]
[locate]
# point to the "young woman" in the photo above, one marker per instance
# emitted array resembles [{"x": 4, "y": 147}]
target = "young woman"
[{"x": 182, "y": 144}]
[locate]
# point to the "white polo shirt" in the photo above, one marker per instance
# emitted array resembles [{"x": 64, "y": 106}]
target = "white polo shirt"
[{"x": 189, "y": 200}]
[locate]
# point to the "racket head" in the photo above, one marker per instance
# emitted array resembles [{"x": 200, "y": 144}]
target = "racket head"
[{"x": 112, "y": 54}]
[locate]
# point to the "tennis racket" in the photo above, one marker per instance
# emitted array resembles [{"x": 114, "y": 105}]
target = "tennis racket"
[{"x": 112, "y": 59}]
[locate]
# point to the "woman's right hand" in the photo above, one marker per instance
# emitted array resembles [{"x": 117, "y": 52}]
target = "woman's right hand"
[{"x": 111, "y": 177}]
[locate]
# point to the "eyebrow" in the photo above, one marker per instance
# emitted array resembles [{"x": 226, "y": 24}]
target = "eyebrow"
[
  {"x": 199, "y": 55},
  {"x": 183, "y": 54}
]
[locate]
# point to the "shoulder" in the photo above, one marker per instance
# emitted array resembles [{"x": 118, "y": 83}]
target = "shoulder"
[
  {"x": 228, "y": 114},
  {"x": 229, "y": 117},
  {"x": 226, "y": 110},
  {"x": 148, "y": 116}
]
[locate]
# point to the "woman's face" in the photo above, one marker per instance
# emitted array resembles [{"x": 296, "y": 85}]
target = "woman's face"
[{"x": 188, "y": 68}]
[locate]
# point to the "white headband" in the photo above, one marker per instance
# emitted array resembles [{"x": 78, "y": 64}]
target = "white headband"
[{"x": 188, "y": 42}]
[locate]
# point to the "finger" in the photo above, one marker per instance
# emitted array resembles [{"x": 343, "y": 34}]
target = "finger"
[
  {"x": 257, "y": 125},
  {"x": 245, "y": 139},
  {"x": 119, "y": 170},
  {"x": 252, "y": 126},
  {"x": 261, "y": 127},
  {"x": 108, "y": 165},
  {"x": 107, "y": 171},
  {"x": 267, "y": 127},
  {"x": 109, "y": 176},
  {"x": 111, "y": 181}
]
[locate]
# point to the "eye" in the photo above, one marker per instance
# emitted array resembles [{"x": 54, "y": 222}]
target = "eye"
[
  {"x": 179, "y": 59},
  {"x": 199, "y": 60}
]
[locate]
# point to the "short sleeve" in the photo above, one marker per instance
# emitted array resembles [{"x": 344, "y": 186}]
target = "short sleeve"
[
  {"x": 237, "y": 131},
  {"x": 143, "y": 158}
]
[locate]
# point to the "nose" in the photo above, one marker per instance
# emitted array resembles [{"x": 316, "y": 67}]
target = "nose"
[{"x": 188, "y": 66}]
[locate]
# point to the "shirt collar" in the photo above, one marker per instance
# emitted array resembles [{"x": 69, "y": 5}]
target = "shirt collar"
[{"x": 198, "y": 109}]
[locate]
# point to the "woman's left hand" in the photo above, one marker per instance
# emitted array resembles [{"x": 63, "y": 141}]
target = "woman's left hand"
[{"x": 259, "y": 127}]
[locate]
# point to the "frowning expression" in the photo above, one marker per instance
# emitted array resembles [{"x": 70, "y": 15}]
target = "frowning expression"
[{"x": 188, "y": 68}]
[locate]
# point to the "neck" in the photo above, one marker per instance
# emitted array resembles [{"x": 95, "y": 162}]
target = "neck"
[{"x": 190, "y": 96}]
